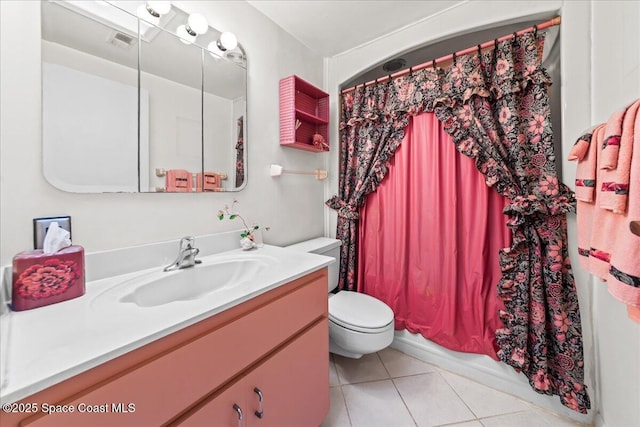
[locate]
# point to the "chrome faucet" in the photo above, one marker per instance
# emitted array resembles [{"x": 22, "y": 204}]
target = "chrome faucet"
[{"x": 186, "y": 256}]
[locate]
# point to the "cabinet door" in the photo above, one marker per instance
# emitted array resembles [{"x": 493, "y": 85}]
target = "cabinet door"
[{"x": 294, "y": 384}]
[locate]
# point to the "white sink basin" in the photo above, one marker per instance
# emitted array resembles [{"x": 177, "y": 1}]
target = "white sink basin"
[{"x": 215, "y": 274}]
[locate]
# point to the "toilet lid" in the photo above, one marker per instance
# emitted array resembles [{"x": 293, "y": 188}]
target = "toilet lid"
[{"x": 360, "y": 312}]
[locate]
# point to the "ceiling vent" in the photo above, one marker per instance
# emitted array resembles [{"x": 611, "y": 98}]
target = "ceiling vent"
[
  {"x": 121, "y": 40},
  {"x": 394, "y": 65}
]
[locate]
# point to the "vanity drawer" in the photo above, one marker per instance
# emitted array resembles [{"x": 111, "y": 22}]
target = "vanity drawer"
[{"x": 166, "y": 385}]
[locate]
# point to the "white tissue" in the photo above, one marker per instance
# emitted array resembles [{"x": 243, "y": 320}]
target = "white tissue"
[{"x": 57, "y": 238}]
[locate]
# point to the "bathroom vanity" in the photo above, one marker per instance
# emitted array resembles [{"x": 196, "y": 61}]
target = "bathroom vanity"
[{"x": 261, "y": 359}]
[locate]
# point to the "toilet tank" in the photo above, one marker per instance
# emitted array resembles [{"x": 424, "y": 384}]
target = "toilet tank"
[{"x": 327, "y": 247}]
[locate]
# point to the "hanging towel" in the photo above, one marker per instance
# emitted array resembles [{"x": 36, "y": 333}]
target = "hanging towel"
[
  {"x": 606, "y": 244},
  {"x": 604, "y": 222},
  {"x": 616, "y": 161},
  {"x": 624, "y": 275},
  {"x": 209, "y": 181},
  {"x": 178, "y": 180},
  {"x": 586, "y": 154},
  {"x": 585, "y": 150},
  {"x": 611, "y": 143},
  {"x": 581, "y": 146}
]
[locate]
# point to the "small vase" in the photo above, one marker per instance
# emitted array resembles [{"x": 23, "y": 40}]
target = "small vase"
[{"x": 247, "y": 244}]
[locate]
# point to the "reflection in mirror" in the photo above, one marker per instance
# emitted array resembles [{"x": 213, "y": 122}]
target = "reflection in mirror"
[
  {"x": 89, "y": 104},
  {"x": 150, "y": 112}
]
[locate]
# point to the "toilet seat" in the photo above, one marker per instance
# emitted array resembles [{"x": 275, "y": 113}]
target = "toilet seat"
[{"x": 359, "y": 312}]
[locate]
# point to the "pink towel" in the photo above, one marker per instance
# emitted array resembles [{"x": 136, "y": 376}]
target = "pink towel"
[
  {"x": 585, "y": 189},
  {"x": 209, "y": 181},
  {"x": 604, "y": 223},
  {"x": 624, "y": 274},
  {"x": 611, "y": 143},
  {"x": 178, "y": 180},
  {"x": 585, "y": 150},
  {"x": 581, "y": 146},
  {"x": 616, "y": 171}
]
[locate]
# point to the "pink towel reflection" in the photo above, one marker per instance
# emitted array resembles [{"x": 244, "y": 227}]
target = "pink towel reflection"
[
  {"x": 209, "y": 181},
  {"x": 178, "y": 180}
]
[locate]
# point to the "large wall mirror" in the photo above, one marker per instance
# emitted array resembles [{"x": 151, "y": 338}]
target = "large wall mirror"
[{"x": 136, "y": 99}]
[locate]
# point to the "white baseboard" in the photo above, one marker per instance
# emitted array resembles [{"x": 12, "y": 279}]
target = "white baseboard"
[{"x": 484, "y": 370}]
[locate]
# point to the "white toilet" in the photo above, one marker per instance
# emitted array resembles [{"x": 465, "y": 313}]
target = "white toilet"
[{"x": 358, "y": 323}]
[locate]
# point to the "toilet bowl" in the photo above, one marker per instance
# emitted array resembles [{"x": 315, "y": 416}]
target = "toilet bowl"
[{"x": 358, "y": 323}]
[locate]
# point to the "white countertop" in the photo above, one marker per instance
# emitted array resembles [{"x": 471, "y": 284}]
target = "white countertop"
[{"x": 47, "y": 345}]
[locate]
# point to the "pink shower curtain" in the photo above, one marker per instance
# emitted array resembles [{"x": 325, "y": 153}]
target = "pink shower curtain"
[{"x": 429, "y": 240}]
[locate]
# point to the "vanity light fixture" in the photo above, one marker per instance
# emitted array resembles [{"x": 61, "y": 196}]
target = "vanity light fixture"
[
  {"x": 185, "y": 36},
  {"x": 227, "y": 41},
  {"x": 158, "y": 8},
  {"x": 152, "y": 11},
  {"x": 196, "y": 25},
  {"x": 214, "y": 50}
]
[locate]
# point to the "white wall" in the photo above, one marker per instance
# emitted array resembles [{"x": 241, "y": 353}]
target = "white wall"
[
  {"x": 290, "y": 205},
  {"x": 615, "y": 82},
  {"x": 600, "y": 44}
]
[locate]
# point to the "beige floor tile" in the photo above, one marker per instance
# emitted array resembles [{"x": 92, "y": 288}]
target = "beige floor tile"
[
  {"x": 482, "y": 400},
  {"x": 367, "y": 368},
  {"x": 466, "y": 424},
  {"x": 431, "y": 400},
  {"x": 529, "y": 419},
  {"x": 333, "y": 374},
  {"x": 376, "y": 404},
  {"x": 399, "y": 364},
  {"x": 338, "y": 416}
]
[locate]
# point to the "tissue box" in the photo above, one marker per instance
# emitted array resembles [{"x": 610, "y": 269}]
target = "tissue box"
[{"x": 40, "y": 279}]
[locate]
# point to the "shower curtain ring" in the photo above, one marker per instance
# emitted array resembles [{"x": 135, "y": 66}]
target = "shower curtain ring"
[
  {"x": 410, "y": 71},
  {"x": 433, "y": 64},
  {"x": 479, "y": 50},
  {"x": 454, "y": 58},
  {"x": 535, "y": 30}
]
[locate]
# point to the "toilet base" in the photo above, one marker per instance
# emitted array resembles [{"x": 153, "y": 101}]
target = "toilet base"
[
  {"x": 336, "y": 349},
  {"x": 353, "y": 344}
]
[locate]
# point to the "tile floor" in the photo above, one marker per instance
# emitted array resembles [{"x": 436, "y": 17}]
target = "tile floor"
[{"x": 390, "y": 388}]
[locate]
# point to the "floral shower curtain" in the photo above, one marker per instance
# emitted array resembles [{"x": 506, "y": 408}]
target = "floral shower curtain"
[
  {"x": 495, "y": 106},
  {"x": 240, "y": 153}
]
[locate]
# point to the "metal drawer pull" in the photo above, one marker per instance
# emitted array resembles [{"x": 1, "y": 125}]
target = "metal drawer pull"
[
  {"x": 259, "y": 413},
  {"x": 239, "y": 411}
]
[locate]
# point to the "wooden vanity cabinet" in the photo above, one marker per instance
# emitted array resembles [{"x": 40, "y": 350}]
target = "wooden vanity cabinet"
[
  {"x": 284, "y": 381},
  {"x": 276, "y": 342}
]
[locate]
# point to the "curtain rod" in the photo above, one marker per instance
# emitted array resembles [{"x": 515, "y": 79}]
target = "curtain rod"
[{"x": 543, "y": 25}]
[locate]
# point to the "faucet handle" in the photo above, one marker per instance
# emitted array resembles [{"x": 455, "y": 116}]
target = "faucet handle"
[{"x": 186, "y": 242}]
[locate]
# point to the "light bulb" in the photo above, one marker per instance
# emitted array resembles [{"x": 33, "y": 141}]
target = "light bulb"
[
  {"x": 227, "y": 41},
  {"x": 214, "y": 50},
  {"x": 198, "y": 23},
  {"x": 184, "y": 35},
  {"x": 159, "y": 7},
  {"x": 144, "y": 14}
]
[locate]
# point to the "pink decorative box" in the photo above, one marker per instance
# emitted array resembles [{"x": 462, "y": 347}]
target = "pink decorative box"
[{"x": 40, "y": 279}]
